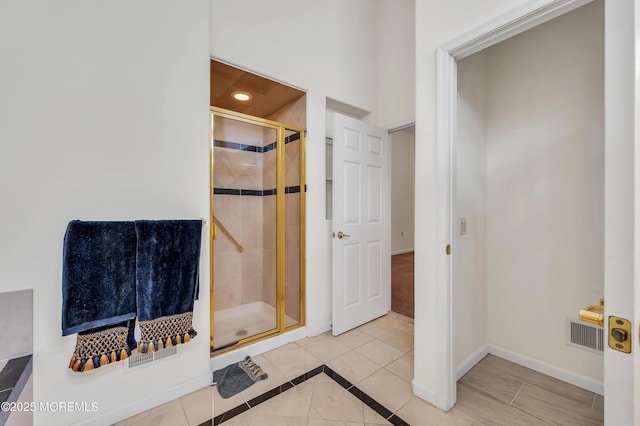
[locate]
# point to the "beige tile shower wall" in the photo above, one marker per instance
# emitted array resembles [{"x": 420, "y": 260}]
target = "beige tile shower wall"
[
  {"x": 269, "y": 248},
  {"x": 252, "y": 257},
  {"x": 292, "y": 255},
  {"x": 239, "y": 132},
  {"x": 238, "y": 276},
  {"x": 269, "y": 229},
  {"x": 292, "y": 114},
  {"x": 292, "y": 164},
  {"x": 269, "y": 169},
  {"x": 292, "y": 231},
  {"x": 237, "y": 169},
  {"x": 227, "y": 260}
]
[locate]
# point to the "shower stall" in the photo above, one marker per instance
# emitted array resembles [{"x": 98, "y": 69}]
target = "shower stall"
[{"x": 257, "y": 241}]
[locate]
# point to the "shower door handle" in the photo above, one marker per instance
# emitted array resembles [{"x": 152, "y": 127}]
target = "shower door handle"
[{"x": 342, "y": 235}]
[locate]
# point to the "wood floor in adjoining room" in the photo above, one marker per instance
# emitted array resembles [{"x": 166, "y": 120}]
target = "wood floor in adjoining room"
[
  {"x": 499, "y": 392},
  {"x": 402, "y": 294}
]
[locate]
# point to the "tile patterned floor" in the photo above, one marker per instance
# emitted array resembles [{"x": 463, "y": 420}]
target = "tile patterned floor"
[{"x": 377, "y": 358}]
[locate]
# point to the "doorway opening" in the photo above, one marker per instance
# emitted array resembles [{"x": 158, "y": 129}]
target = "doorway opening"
[
  {"x": 402, "y": 147},
  {"x": 528, "y": 214}
]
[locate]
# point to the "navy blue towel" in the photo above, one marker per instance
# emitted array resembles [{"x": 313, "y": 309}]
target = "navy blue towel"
[
  {"x": 98, "y": 291},
  {"x": 98, "y": 275},
  {"x": 167, "y": 264}
]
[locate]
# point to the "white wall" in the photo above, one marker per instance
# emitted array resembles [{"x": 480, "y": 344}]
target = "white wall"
[
  {"x": 327, "y": 49},
  {"x": 437, "y": 22},
  {"x": 545, "y": 186},
  {"x": 397, "y": 62},
  {"x": 469, "y": 251},
  {"x": 402, "y": 144},
  {"x": 331, "y": 50},
  {"x": 103, "y": 116}
]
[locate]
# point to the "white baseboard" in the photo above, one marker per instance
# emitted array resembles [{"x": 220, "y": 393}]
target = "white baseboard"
[
  {"x": 424, "y": 393},
  {"x": 153, "y": 401},
  {"x": 319, "y": 329},
  {"x": 258, "y": 348},
  {"x": 472, "y": 360},
  {"x": 548, "y": 369}
]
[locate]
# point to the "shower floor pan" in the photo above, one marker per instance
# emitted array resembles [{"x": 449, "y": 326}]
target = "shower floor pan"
[{"x": 233, "y": 324}]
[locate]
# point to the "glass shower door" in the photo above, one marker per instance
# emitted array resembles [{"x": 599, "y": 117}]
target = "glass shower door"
[
  {"x": 244, "y": 209},
  {"x": 294, "y": 224}
]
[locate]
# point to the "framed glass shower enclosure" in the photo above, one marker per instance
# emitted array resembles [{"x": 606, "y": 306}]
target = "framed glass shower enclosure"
[{"x": 257, "y": 177}]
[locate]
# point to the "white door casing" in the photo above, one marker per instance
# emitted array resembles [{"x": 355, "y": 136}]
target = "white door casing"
[
  {"x": 622, "y": 381},
  {"x": 362, "y": 258}
]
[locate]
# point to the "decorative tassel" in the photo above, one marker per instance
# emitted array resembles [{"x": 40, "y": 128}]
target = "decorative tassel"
[
  {"x": 96, "y": 361},
  {"x": 173, "y": 340},
  {"x": 150, "y": 346},
  {"x": 88, "y": 365},
  {"x": 123, "y": 354},
  {"x": 160, "y": 344},
  {"x": 186, "y": 338},
  {"x": 76, "y": 364},
  {"x": 73, "y": 361},
  {"x": 179, "y": 339},
  {"x": 113, "y": 356},
  {"x": 167, "y": 343},
  {"x": 104, "y": 360}
]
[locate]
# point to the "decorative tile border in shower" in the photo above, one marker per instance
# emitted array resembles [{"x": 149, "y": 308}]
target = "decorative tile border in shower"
[
  {"x": 256, "y": 192},
  {"x": 352, "y": 389},
  {"x": 252, "y": 148}
]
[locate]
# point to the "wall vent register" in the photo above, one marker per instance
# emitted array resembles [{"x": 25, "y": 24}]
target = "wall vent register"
[
  {"x": 138, "y": 359},
  {"x": 585, "y": 335}
]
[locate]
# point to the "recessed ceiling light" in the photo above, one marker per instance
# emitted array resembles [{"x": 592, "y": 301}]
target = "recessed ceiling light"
[{"x": 242, "y": 96}]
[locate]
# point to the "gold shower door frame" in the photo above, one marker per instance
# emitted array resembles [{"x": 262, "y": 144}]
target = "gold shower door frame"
[{"x": 280, "y": 225}]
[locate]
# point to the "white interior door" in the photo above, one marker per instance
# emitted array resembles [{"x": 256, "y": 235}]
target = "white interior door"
[{"x": 361, "y": 225}]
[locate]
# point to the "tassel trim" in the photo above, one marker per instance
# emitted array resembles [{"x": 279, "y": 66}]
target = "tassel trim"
[
  {"x": 165, "y": 332},
  {"x": 94, "y": 350}
]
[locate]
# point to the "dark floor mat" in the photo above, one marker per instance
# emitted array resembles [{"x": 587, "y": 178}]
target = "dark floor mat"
[{"x": 237, "y": 377}]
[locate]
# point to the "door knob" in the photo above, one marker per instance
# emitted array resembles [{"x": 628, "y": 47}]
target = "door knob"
[
  {"x": 342, "y": 235},
  {"x": 594, "y": 314}
]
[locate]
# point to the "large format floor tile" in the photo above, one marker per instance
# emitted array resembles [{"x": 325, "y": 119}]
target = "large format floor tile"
[
  {"x": 375, "y": 361},
  {"x": 353, "y": 367},
  {"x": 380, "y": 352},
  {"x": 388, "y": 389},
  {"x": 169, "y": 414}
]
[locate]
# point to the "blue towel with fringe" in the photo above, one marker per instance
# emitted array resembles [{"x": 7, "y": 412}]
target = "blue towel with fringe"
[
  {"x": 98, "y": 291},
  {"x": 167, "y": 265}
]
